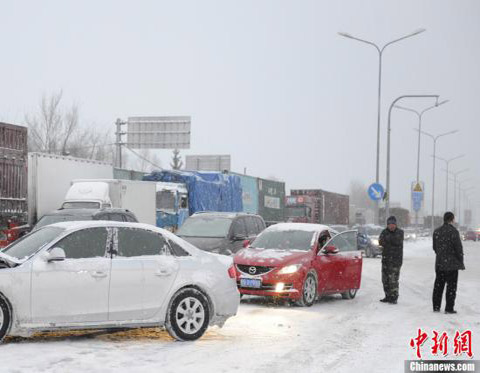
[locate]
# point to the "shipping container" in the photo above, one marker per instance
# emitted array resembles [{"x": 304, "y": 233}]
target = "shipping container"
[
  {"x": 271, "y": 200},
  {"x": 13, "y": 171},
  {"x": 333, "y": 208},
  {"x": 249, "y": 193},
  {"x": 50, "y": 177}
]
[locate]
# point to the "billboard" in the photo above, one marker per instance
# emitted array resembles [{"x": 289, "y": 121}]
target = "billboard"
[
  {"x": 218, "y": 163},
  {"x": 158, "y": 132}
]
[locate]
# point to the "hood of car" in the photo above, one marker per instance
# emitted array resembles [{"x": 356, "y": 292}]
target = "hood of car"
[
  {"x": 271, "y": 257},
  {"x": 11, "y": 261},
  {"x": 206, "y": 243}
]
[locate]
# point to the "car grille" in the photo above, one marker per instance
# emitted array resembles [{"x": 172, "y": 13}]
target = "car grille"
[
  {"x": 249, "y": 270},
  {"x": 267, "y": 287}
]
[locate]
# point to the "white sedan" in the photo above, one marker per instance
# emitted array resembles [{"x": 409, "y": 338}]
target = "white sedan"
[{"x": 103, "y": 275}]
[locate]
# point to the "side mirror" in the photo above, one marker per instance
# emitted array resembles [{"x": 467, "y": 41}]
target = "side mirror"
[
  {"x": 330, "y": 250},
  {"x": 57, "y": 254},
  {"x": 246, "y": 243},
  {"x": 238, "y": 237}
]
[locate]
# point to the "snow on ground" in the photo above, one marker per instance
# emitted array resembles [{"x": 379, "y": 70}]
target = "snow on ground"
[{"x": 335, "y": 335}]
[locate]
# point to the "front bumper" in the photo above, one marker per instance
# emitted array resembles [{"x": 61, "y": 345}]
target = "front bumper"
[{"x": 292, "y": 284}]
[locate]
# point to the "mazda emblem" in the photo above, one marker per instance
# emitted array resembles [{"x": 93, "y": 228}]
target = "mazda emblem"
[{"x": 252, "y": 270}]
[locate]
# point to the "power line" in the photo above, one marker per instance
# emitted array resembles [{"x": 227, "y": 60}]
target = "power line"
[{"x": 142, "y": 157}]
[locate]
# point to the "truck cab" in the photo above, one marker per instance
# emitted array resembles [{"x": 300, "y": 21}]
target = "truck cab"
[
  {"x": 171, "y": 205},
  {"x": 300, "y": 209}
]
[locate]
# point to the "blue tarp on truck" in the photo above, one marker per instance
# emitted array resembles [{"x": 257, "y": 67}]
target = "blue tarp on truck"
[{"x": 207, "y": 191}]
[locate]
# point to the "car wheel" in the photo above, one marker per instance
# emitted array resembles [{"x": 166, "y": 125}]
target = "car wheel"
[
  {"x": 309, "y": 291},
  {"x": 349, "y": 294},
  {"x": 188, "y": 315},
  {"x": 5, "y": 318}
]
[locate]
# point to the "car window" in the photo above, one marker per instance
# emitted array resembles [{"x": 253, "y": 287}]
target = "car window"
[
  {"x": 251, "y": 226},
  {"x": 31, "y": 243},
  {"x": 205, "y": 226},
  {"x": 239, "y": 228},
  {"x": 345, "y": 241},
  {"x": 116, "y": 217},
  {"x": 131, "y": 219},
  {"x": 102, "y": 217},
  {"x": 86, "y": 243},
  {"x": 140, "y": 242},
  {"x": 177, "y": 249}
]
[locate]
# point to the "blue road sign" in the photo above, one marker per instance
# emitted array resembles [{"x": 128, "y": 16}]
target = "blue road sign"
[
  {"x": 417, "y": 198},
  {"x": 376, "y": 192}
]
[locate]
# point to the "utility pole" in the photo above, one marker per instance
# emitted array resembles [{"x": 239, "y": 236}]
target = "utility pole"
[{"x": 118, "y": 142}]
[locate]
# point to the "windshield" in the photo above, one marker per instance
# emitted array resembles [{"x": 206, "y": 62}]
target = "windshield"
[
  {"x": 81, "y": 205},
  {"x": 205, "y": 226},
  {"x": 295, "y": 211},
  {"x": 284, "y": 240},
  {"x": 165, "y": 200},
  {"x": 31, "y": 243},
  {"x": 52, "y": 219}
]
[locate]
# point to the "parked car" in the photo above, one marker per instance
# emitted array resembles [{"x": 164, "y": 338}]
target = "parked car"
[
  {"x": 411, "y": 234},
  {"x": 62, "y": 215},
  {"x": 109, "y": 275},
  {"x": 300, "y": 261},
  {"x": 221, "y": 232},
  {"x": 368, "y": 246},
  {"x": 368, "y": 236},
  {"x": 471, "y": 236}
]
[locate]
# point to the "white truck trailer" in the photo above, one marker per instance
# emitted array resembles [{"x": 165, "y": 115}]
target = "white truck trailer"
[
  {"x": 50, "y": 177},
  {"x": 137, "y": 196}
]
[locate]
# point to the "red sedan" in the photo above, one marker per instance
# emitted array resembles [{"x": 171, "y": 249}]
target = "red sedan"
[{"x": 300, "y": 262}]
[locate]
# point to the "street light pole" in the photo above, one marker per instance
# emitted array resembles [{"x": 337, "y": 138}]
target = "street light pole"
[
  {"x": 435, "y": 138},
  {"x": 460, "y": 190},
  {"x": 380, "y": 51},
  {"x": 447, "y": 162},
  {"x": 420, "y": 116},
  {"x": 387, "y": 202},
  {"x": 455, "y": 175}
]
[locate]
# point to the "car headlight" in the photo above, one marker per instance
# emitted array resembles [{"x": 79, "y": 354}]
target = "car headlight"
[
  {"x": 375, "y": 242},
  {"x": 289, "y": 269}
]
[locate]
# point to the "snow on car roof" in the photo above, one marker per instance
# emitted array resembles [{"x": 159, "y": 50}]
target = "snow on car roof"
[
  {"x": 307, "y": 227},
  {"x": 76, "y": 225}
]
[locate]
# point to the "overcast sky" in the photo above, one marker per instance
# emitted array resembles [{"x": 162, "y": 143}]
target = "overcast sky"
[{"x": 269, "y": 82}]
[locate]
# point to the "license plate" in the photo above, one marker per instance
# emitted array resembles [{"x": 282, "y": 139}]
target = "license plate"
[{"x": 251, "y": 283}]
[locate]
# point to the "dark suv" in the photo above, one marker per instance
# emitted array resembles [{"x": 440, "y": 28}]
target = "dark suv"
[
  {"x": 62, "y": 215},
  {"x": 221, "y": 232}
]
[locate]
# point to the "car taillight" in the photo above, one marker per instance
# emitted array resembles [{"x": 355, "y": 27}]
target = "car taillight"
[{"x": 231, "y": 272}]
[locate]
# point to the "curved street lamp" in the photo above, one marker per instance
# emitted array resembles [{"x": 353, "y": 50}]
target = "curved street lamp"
[
  {"x": 380, "y": 51},
  {"x": 435, "y": 138}
]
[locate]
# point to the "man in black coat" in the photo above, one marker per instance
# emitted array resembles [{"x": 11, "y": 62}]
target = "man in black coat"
[
  {"x": 448, "y": 248},
  {"x": 391, "y": 240}
]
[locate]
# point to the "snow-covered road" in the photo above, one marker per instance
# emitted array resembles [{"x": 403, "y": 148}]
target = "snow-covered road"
[{"x": 335, "y": 335}]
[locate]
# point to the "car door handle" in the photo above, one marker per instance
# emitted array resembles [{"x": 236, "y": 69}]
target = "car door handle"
[
  {"x": 163, "y": 272},
  {"x": 98, "y": 274}
]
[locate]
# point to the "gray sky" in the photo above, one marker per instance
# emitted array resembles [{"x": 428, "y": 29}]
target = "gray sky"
[{"x": 269, "y": 82}]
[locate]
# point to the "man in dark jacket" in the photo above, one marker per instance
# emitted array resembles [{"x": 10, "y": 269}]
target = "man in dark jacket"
[
  {"x": 391, "y": 240},
  {"x": 448, "y": 248}
]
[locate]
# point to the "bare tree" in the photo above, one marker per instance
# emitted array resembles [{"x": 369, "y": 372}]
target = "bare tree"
[{"x": 55, "y": 130}]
